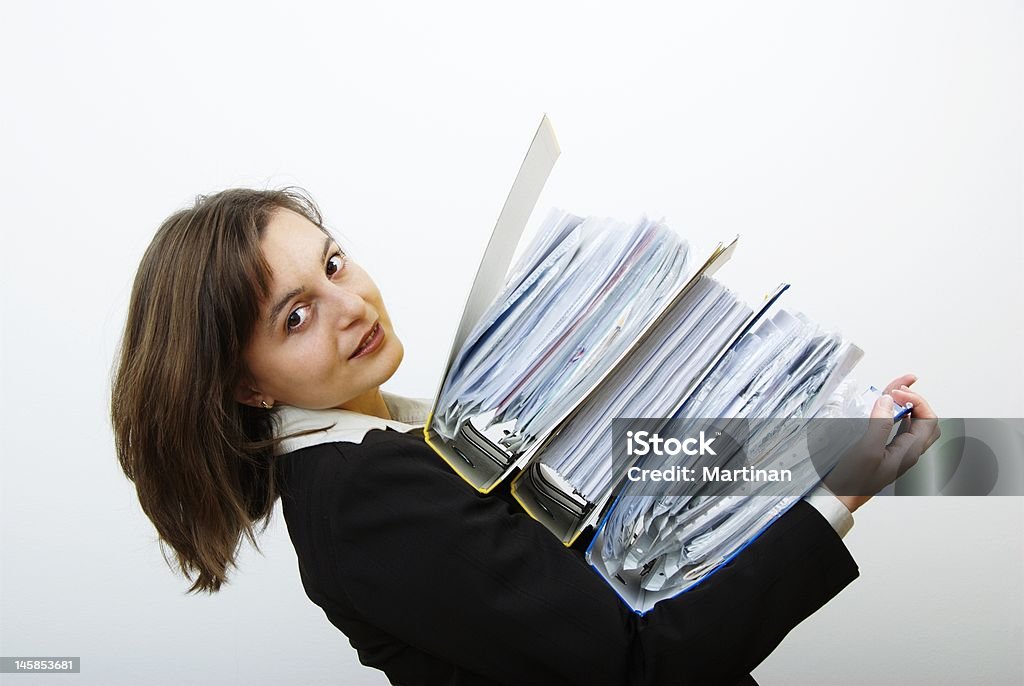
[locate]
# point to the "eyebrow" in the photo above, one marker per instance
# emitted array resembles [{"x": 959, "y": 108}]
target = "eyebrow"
[{"x": 287, "y": 298}]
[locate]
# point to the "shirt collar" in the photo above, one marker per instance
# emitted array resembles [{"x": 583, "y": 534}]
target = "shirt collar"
[{"x": 345, "y": 425}]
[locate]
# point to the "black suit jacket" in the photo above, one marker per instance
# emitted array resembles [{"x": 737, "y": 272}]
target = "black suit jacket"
[{"x": 434, "y": 583}]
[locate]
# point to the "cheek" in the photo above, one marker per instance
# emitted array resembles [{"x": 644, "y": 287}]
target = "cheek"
[{"x": 318, "y": 357}]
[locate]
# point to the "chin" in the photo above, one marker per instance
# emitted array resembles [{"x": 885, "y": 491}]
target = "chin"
[{"x": 395, "y": 353}]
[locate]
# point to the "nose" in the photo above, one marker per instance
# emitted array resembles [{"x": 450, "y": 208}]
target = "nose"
[{"x": 345, "y": 307}]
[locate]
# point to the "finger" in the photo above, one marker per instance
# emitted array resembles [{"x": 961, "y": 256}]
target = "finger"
[
  {"x": 905, "y": 380},
  {"x": 922, "y": 429},
  {"x": 921, "y": 407},
  {"x": 888, "y": 469},
  {"x": 879, "y": 424},
  {"x": 923, "y": 423},
  {"x": 930, "y": 433},
  {"x": 904, "y": 425},
  {"x": 900, "y": 455}
]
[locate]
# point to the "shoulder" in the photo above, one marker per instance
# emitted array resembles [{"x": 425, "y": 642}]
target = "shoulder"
[
  {"x": 337, "y": 495},
  {"x": 386, "y": 463},
  {"x": 357, "y": 507},
  {"x": 391, "y": 486}
]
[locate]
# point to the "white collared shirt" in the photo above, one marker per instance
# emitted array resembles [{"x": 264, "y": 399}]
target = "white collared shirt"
[{"x": 345, "y": 425}]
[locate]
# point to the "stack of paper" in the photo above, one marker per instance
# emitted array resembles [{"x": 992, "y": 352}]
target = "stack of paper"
[
  {"x": 580, "y": 295},
  {"x": 766, "y": 389},
  {"x": 648, "y": 384},
  {"x": 601, "y": 321}
]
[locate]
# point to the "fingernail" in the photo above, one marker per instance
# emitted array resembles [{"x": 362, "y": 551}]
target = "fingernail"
[
  {"x": 887, "y": 401},
  {"x": 904, "y": 388}
]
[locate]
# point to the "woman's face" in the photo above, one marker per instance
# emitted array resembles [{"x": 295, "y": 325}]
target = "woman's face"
[{"x": 306, "y": 349}]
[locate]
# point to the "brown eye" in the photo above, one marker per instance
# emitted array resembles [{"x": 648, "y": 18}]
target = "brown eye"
[
  {"x": 336, "y": 263},
  {"x": 297, "y": 318}
]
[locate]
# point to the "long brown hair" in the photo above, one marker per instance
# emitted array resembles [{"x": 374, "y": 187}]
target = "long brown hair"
[{"x": 202, "y": 463}]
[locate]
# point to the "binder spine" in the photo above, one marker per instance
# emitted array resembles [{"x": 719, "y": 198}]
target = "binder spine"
[
  {"x": 564, "y": 514},
  {"x": 472, "y": 456}
]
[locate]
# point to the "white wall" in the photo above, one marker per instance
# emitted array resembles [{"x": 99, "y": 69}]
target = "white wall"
[{"x": 868, "y": 153}]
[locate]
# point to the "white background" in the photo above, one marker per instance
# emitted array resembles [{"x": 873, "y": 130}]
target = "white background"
[{"x": 868, "y": 153}]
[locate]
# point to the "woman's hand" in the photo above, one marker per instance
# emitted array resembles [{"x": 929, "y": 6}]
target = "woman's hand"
[{"x": 871, "y": 465}]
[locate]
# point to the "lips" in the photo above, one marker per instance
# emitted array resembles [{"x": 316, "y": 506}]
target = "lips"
[{"x": 369, "y": 342}]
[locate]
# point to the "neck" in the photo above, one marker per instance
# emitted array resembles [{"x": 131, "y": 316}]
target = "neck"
[{"x": 370, "y": 403}]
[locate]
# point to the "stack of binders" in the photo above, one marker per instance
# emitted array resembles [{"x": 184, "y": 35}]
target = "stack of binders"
[{"x": 600, "y": 320}]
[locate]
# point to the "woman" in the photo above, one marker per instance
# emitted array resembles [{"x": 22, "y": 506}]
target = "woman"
[{"x": 250, "y": 330}]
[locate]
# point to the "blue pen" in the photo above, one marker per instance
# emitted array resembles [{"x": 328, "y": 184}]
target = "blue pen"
[
  {"x": 898, "y": 411},
  {"x": 901, "y": 411}
]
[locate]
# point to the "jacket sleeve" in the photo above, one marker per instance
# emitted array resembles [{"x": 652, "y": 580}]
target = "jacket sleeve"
[{"x": 472, "y": 580}]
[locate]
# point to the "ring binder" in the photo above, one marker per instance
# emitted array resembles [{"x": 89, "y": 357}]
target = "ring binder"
[{"x": 588, "y": 328}]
